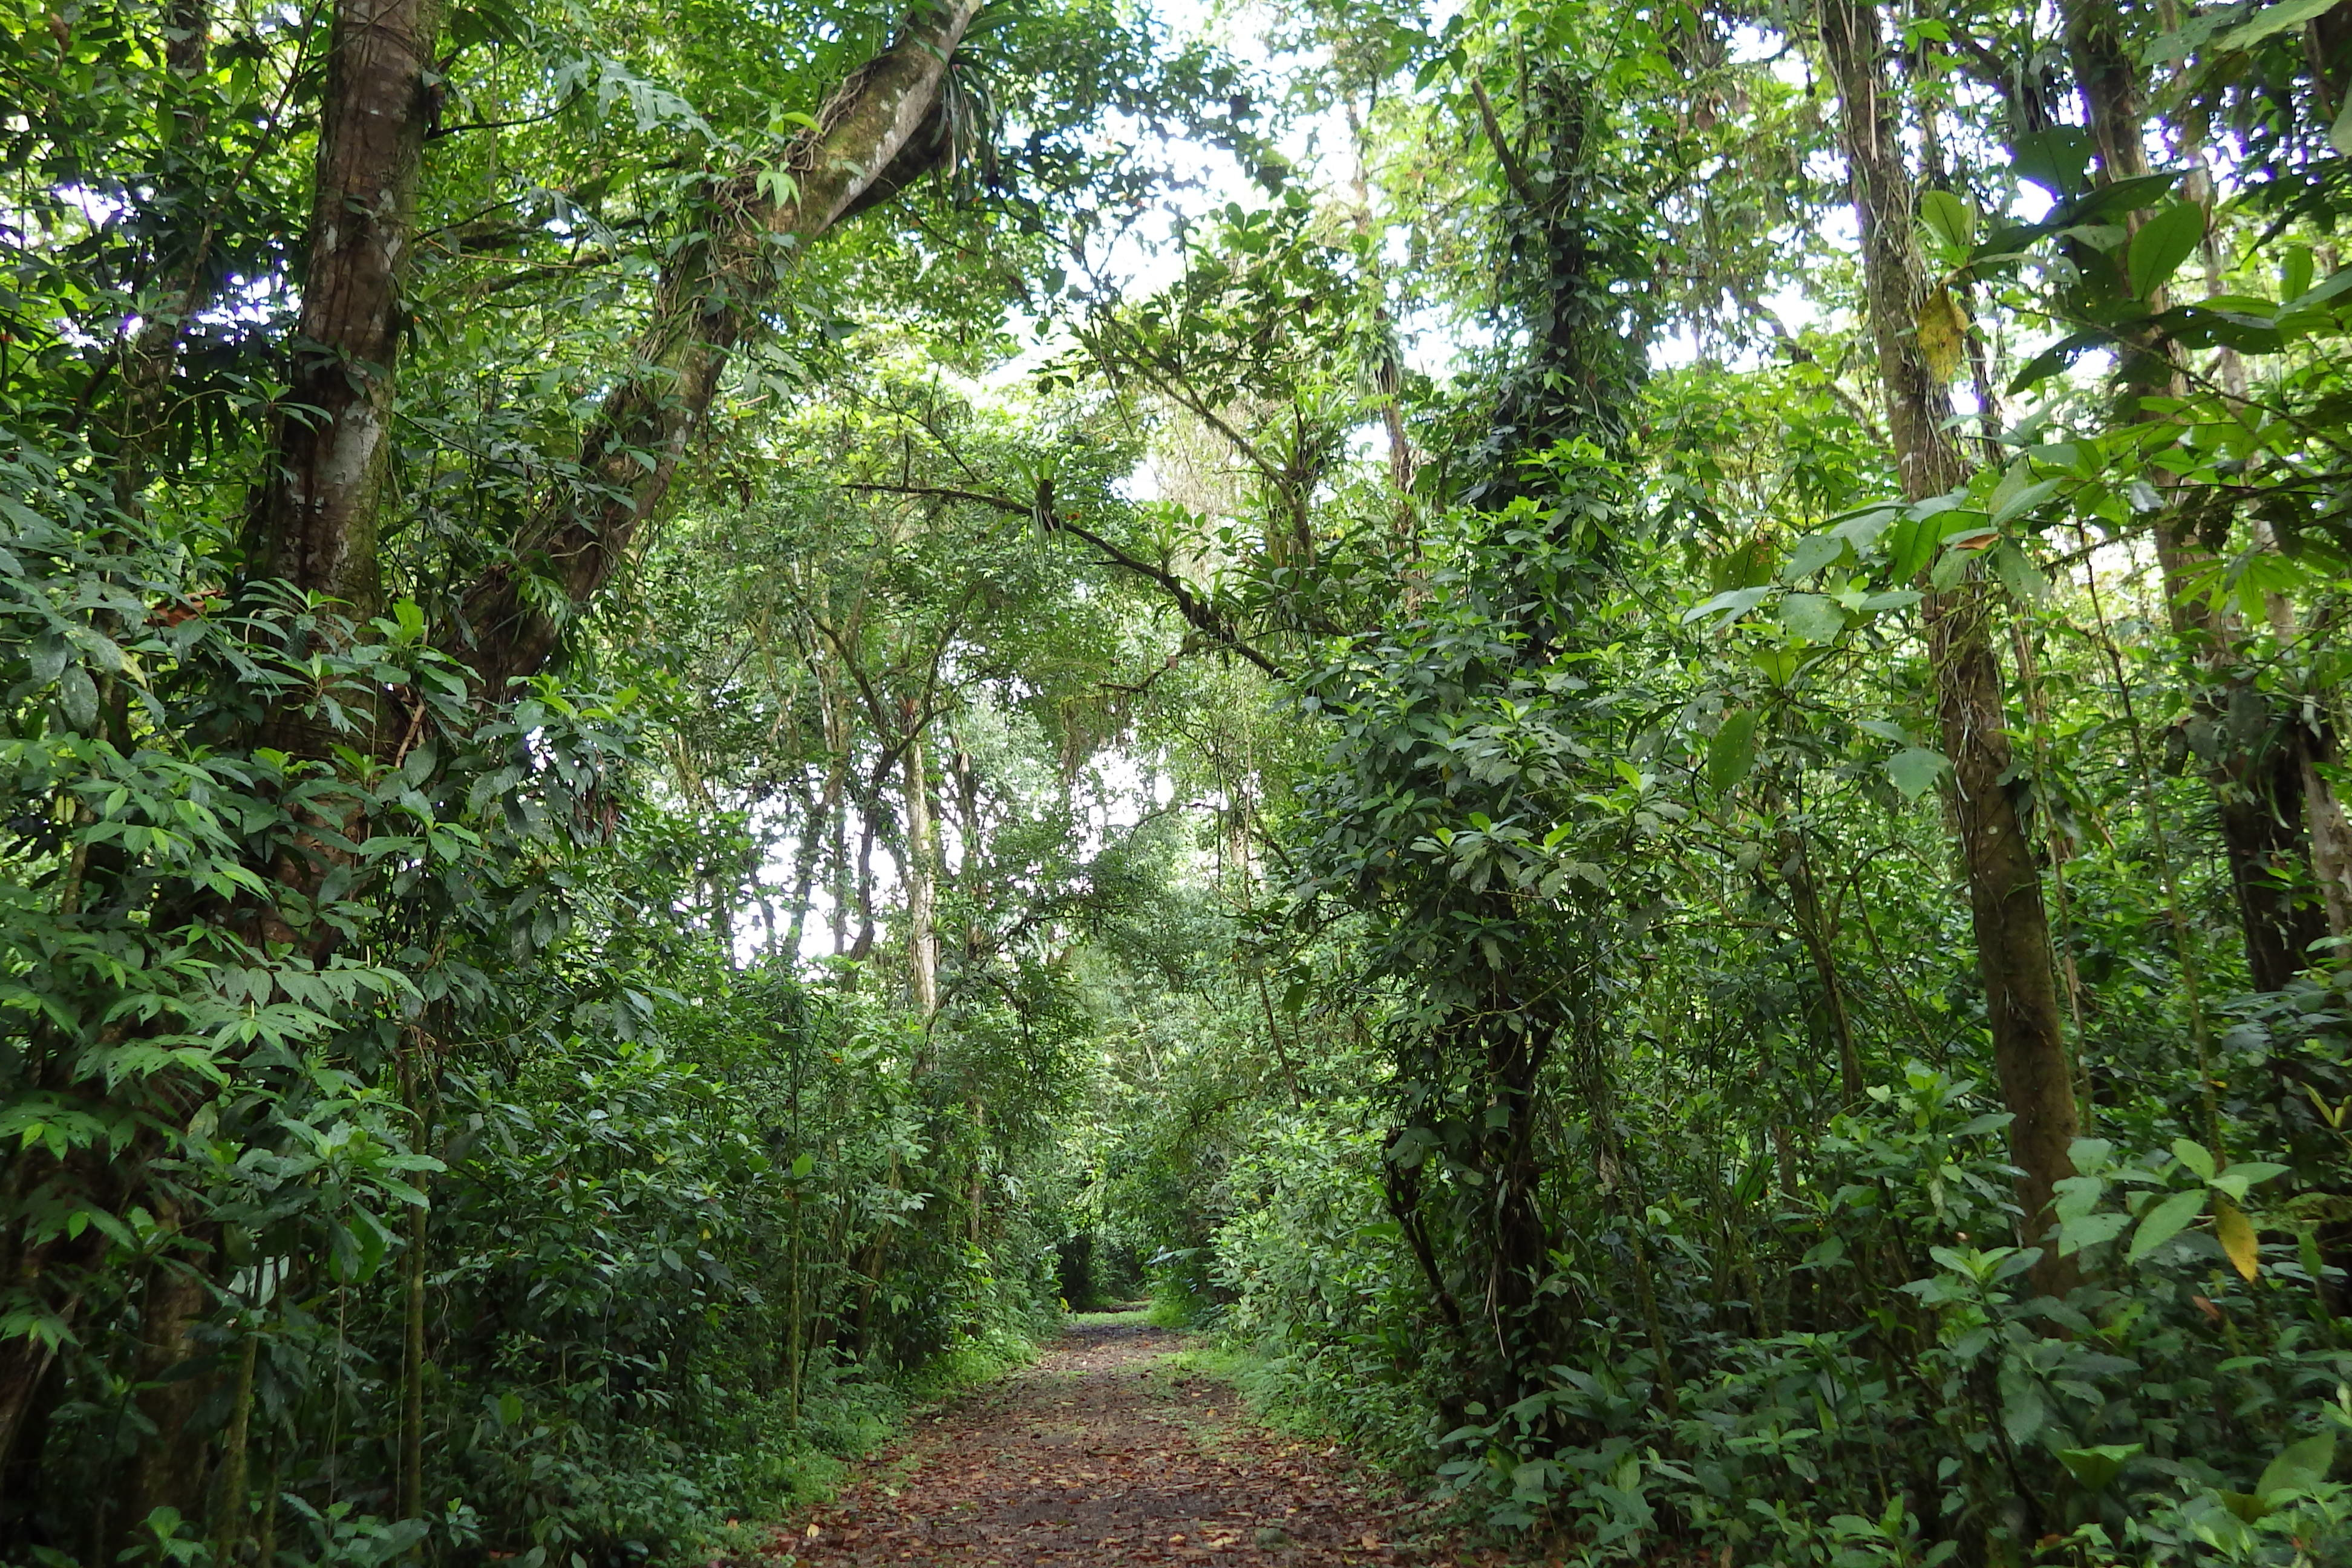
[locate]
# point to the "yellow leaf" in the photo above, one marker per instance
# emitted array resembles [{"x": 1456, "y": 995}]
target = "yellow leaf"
[
  {"x": 2236, "y": 1234},
  {"x": 1943, "y": 330}
]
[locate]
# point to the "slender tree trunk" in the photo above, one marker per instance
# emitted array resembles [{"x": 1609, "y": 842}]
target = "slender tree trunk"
[
  {"x": 709, "y": 300},
  {"x": 234, "y": 1492},
  {"x": 837, "y": 857},
  {"x": 864, "y": 945},
  {"x": 972, "y": 865},
  {"x": 2261, "y": 791},
  {"x": 411, "y": 1501},
  {"x": 1813, "y": 931},
  {"x": 1387, "y": 375},
  {"x": 2010, "y": 924},
  {"x": 922, "y": 931},
  {"x": 315, "y": 520},
  {"x": 148, "y": 359},
  {"x": 2331, "y": 834},
  {"x": 814, "y": 833},
  {"x": 976, "y": 1190},
  {"x": 33, "y": 1387}
]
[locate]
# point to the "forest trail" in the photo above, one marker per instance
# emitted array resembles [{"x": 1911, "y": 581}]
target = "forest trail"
[{"x": 1101, "y": 1454}]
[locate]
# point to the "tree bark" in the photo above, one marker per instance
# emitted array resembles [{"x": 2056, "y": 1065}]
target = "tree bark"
[
  {"x": 922, "y": 924},
  {"x": 316, "y": 523},
  {"x": 709, "y": 301},
  {"x": 169, "y": 1470},
  {"x": 2331, "y": 834},
  {"x": 2261, "y": 791},
  {"x": 2010, "y": 925}
]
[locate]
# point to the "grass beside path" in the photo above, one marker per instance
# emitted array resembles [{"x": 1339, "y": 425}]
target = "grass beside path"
[{"x": 1117, "y": 1448}]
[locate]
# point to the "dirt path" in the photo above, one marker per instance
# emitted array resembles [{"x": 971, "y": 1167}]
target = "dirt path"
[{"x": 1096, "y": 1456}]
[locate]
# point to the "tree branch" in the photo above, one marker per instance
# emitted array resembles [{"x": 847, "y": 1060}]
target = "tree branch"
[{"x": 1202, "y": 617}]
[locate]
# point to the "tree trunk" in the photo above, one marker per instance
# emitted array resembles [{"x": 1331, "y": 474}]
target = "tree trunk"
[
  {"x": 922, "y": 928},
  {"x": 709, "y": 301},
  {"x": 972, "y": 865},
  {"x": 2331, "y": 834},
  {"x": 1813, "y": 931},
  {"x": 2011, "y": 926},
  {"x": 2261, "y": 790},
  {"x": 317, "y": 521},
  {"x": 153, "y": 349},
  {"x": 810, "y": 849},
  {"x": 169, "y": 1469},
  {"x": 234, "y": 1502}
]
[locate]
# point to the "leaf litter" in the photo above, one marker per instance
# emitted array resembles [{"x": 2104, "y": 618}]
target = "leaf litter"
[{"x": 1102, "y": 1455}]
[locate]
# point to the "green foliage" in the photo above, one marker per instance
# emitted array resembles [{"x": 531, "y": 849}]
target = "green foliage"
[{"x": 1396, "y": 793}]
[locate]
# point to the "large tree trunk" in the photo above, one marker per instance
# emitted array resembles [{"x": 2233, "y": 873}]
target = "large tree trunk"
[
  {"x": 2261, "y": 788},
  {"x": 2010, "y": 925},
  {"x": 316, "y": 525},
  {"x": 169, "y": 1468},
  {"x": 709, "y": 301}
]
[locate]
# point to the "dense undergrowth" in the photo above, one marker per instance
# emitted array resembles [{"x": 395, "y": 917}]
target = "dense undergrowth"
[{"x": 1616, "y": 727}]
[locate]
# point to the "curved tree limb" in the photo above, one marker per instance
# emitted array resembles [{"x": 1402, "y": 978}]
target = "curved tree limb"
[
  {"x": 1201, "y": 617},
  {"x": 709, "y": 304}
]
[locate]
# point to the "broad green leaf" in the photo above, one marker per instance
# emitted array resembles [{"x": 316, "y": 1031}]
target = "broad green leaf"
[
  {"x": 2299, "y": 1468},
  {"x": 2022, "y": 499},
  {"x": 1863, "y": 526},
  {"x": 1911, "y": 545},
  {"x": 1948, "y": 219},
  {"x": 2077, "y": 1195},
  {"x": 2056, "y": 358},
  {"x": 2056, "y": 159},
  {"x": 2238, "y": 1180},
  {"x": 1812, "y": 553},
  {"x": 2090, "y": 1230},
  {"x": 2193, "y": 1154},
  {"x": 79, "y": 695},
  {"x": 2275, "y": 19},
  {"x": 2089, "y": 1155},
  {"x": 1732, "y": 750},
  {"x": 1916, "y": 769},
  {"x": 2094, "y": 1468},
  {"x": 2025, "y": 1405},
  {"x": 1736, "y": 603},
  {"x": 2162, "y": 244},
  {"x": 2296, "y": 271},
  {"x": 1812, "y": 617},
  {"x": 2018, "y": 574},
  {"x": 50, "y": 651},
  {"x": 2165, "y": 1221}
]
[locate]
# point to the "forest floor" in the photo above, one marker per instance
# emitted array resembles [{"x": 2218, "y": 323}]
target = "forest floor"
[{"x": 1108, "y": 1452}]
